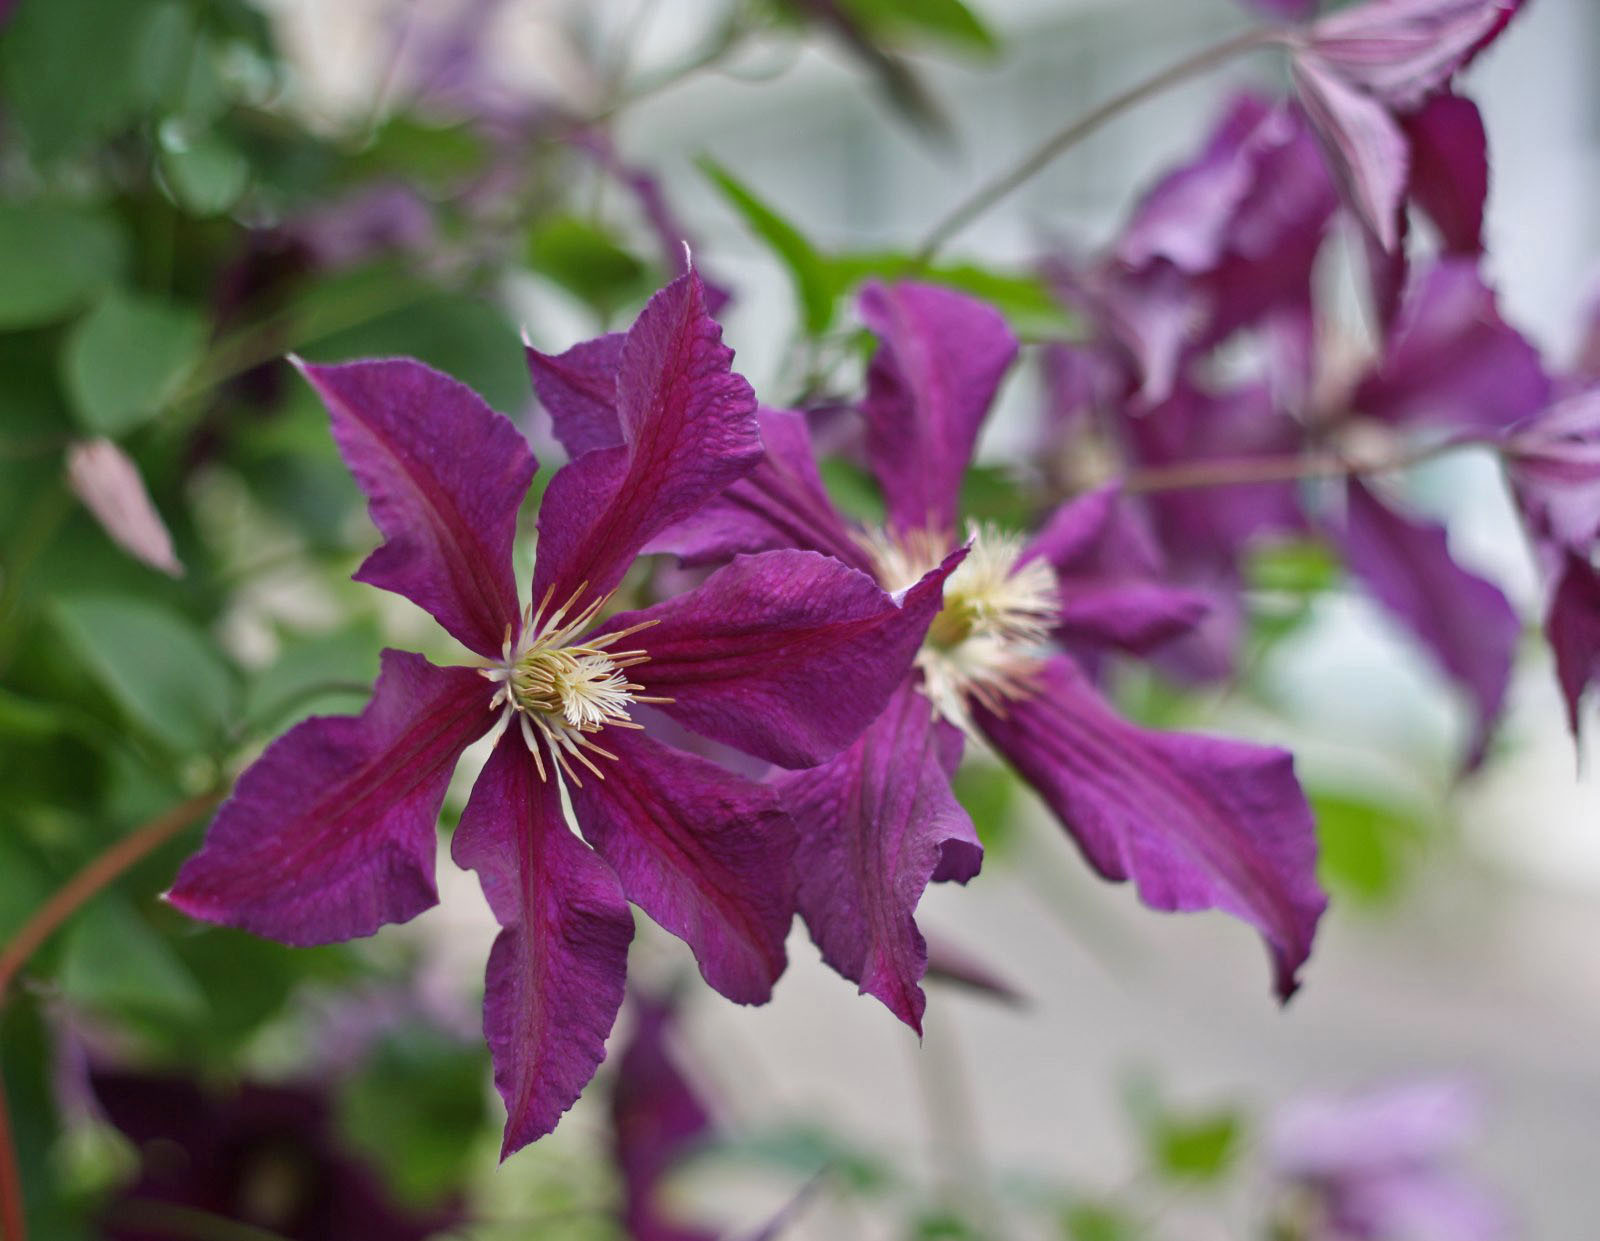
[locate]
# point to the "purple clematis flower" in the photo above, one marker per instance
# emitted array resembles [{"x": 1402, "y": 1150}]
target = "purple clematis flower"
[
  {"x": 1195, "y": 822},
  {"x": 331, "y": 833},
  {"x": 1376, "y": 1167},
  {"x": 259, "y": 1158}
]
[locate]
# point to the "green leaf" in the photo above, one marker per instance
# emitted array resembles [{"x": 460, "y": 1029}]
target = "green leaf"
[
  {"x": 992, "y": 493},
  {"x": 1096, "y": 1221},
  {"x": 113, "y": 961},
  {"x": 433, "y": 155},
  {"x": 1024, "y": 299},
  {"x": 247, "y": 980},
  {"x": 815, "y": 284},
  {"x": 55, "y": 256},
  {"x": 74, "y": 73},
  {"x": 1197, "y": 1148},
  {"x": 127, "y": 358},
  {"x": 945, "y": 21},
  {"x": 804, "y": 1151},
  {"x": 161, "y": 671},
  {"x": 587, "y": 261},
  {"x": 988, "y": 792},
  {"x": 325, "y": 674},
  {"x": 205, "y": 174},
  {"x": 1367, "y": 846},
  {"x": 24, "y": 886},
  {"x": 417, "y": 1108},
  {"x": 852, "y": 490}
]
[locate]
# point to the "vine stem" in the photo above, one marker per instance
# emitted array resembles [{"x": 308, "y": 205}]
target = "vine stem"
[
  {"x": 68, "y": 899},
  {"x": 1191, "y": 475},
  {"x": 988, "y": 194}
]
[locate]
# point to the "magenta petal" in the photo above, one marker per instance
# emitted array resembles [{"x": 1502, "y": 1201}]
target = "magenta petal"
[
  {"x": 787, "y": 655},
  {"x": 444, "y": 476},
  {"x": 1572, "y": 626},
  {"x": 1451, "y": 358},
  {"x": 875, "y": 823},
  {"x": 780, "y": 503},
  {"x": 1463, "y": 620},
  {"x": 330, "y": 834},
  {"x": 579, "y": 390},
  {"x": 689, "y": 429},
  {"x": 707, "y": 854},
  {"x": 556, "y": 972},
  {"x": 1450, "y": 168},
  {"x": 929, "y": 386},
  {"x": 1195, "y": 822},
  {"x": 1403, "y": 50},
  {"x": 1365, "y": 149}
]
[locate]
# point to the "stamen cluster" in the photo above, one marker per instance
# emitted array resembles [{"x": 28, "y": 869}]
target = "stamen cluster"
[
  {"x": 565, "y": 690},
  {"x": 997, "y": 616}
]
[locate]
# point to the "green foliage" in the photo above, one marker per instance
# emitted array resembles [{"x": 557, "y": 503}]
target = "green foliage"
[
  {"x": 1097, "y": 1221},
  {"x": 162, "y": 673},
  {"x": 1184, "y": 1145},
  {"x": 113, "y": 963},
  {"x": 806, "y": 1150},
  {"x": 949, "y": 22},
  {"x": 988, "y": 790},
  {"x": 127, "y": 358},
  {"x": 204, "y": 172},
  {"x": 1367, "y": 844},
  {"x": 587, "y": 261},
  {"x": 55, "y": 256}
]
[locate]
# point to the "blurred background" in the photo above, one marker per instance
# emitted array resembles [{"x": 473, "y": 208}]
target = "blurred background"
[{"x": 388, "y": 182}]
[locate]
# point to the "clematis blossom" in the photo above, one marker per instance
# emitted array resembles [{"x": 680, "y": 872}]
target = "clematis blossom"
[
  {"x": 1194, "y": 822},
  {"x": 331, "y": 833}
]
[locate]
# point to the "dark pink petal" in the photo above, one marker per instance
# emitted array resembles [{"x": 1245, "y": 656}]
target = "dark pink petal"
[
  {"x": 940, "y": 361},
  {"x": 657, "y": 1119},
  {"x": 1403, "y": 50},
  {"x": 1463, "y": 620},
  {"x": 874, "y": 825},
  {"x": 579, "y": 390},
  {"x": 1452, "y": 359},
  {"x": 330, "y": 833},
  {"x": 444, "y": 476},
  {"x": 1195, "y": 822},
  {"x": 1109, "y": 571},
  {"x": 555, "y": 976},
  {"x": 1554, "y": 465},
  {"x": 786, "y": 655},
  {"x": 780, "y": 503},
  {"x": 1450, "y": 169},
  {"x": 707, "y": 854},
  {"x": 1572, "y": 626},
  {"x": 1365, "y": 150},
  {"x": 688, "y": 429}
]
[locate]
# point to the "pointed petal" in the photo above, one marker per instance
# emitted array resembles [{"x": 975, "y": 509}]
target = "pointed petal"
[
  {"x": 1463, "y": 620},
  {"x": 108, "y": 482},
  {"x": 1572, "y": 626},
  {"x": 1196, "y": 822},
  {"x": 1365, "y": 149},
  {"x": 578, "y": 388},
  {"x": 941, "y": 358},
  {"x": 1403, "y": 50},
  {"x": 444, "y": 476},
  {"x": 555, "y": 976},
  {"x": 1452, "y": 359},
  {"x": 780, "y": 503},
  {"x": 1450, "y": 169},
  {"x": 330, "y": 834},
  {"x": 787, "y": 655},
  {"x": 874, "y": 824},
  {"x": 707, "y": 854},
  {"x": 689, "y": 429}
]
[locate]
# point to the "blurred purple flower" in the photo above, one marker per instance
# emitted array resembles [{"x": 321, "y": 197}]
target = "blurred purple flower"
[
  {"x": 1195, "y": 822},
  {"x": 1285, "y": 10},
  {"x": 265, "y": 1157},
  {"x": 657, "y": 1119},
  {"x": 1378, "y": 1167},
  {"x": 331, "y": 833}
]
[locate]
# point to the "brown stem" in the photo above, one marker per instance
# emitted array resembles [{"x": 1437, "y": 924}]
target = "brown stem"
[
  {"x": 988, "y": 194},
  {"x": 104, "y": 869},
  {"x": 13, "y": 1225},
  {"x": 1189, "y": 475}
]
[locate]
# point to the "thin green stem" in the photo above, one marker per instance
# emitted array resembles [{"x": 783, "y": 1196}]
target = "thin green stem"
[{"x": 991, "y": 192}]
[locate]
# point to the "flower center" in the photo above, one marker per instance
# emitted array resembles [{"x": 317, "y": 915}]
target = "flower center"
[
  {"x": 986, "y": 641},
  {"x": 562, "y": 690}
]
